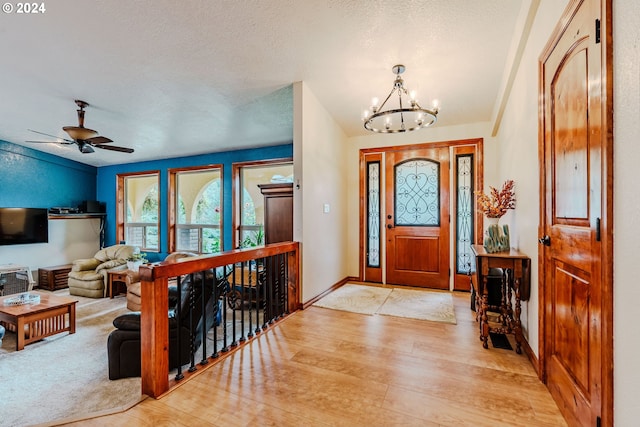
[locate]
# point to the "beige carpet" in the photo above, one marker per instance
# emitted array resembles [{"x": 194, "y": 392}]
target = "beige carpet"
[
  {"x": 64, "y": 376},
  {"x": 413, "y": 304}
]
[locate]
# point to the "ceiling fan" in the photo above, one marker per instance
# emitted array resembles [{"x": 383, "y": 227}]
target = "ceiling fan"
[{"x": 86, "y": 139}]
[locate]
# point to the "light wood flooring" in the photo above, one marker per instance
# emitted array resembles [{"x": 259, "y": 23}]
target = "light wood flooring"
[{"x": 322, "y": 367}]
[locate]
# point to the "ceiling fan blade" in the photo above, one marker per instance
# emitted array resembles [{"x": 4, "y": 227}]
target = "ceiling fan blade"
[
  {"x": 98, "y": 140},
  {"x": 52, "y": 136},
  {"x": 115, "y": 148},
  {"x": 51, "y": 142}
]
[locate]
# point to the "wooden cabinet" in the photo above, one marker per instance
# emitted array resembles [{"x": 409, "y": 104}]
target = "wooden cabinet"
[
  {"x": 54, "y": 278},
  {"x": 278, "y": 212}
]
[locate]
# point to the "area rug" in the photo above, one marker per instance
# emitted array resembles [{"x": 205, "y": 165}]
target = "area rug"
[
  {"x": 64, "y": 376},
  {"x": 355, "y": 298},
  {"x": 423, "y": 305},
  {"x": 370, "y": 300}
]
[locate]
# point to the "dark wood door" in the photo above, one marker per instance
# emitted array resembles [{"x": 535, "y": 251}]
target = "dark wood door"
[
  {"x": 572, "y": 206},
  {"x": 417, "y": 221},
  {"x": 278, "y": 212}
]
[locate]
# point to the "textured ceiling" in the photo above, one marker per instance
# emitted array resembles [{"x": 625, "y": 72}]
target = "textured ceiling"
[{"x": 172, "y": 78}]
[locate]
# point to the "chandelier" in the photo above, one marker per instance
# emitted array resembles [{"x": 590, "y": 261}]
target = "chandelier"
[{"x": 406, "y": 115}]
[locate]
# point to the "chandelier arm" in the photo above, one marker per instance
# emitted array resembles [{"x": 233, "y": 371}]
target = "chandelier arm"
[
  {"x": 386, "y": 99},
  {"x": 400, "y": 90}
]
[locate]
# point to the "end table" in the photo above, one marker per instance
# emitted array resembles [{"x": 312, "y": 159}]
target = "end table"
[{"x": 119, "y": 278}]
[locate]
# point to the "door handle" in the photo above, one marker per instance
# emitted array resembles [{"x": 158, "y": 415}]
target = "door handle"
[{"x": 545, "y": 240}]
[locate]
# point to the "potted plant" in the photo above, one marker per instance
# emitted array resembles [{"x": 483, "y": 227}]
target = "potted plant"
[
  {"x": 136, "y": 260},
  {"x": 494, "y": 205}
]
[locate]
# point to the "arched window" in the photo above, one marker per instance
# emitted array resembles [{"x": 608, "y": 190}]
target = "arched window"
[
  {"x": 196, "y": 195},
  {"x": 249, "y": 212},
  {"x": 139, "y": 212}
]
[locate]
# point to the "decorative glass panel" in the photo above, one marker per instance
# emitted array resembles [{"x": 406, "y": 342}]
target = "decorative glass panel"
[
  {"x": 373, "y": 214},
  {"x": 464, "y": 209},
  {"x": 417, "y": 193}
]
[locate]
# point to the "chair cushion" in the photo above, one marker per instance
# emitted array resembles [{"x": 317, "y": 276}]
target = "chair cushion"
[
  {"x": 134, "y": 300},
  {"x": 179, "y": 254},
  {"x": 128, "y": 321},
  {"x": 86, "y": 276},
  {"x": 85, "y": 264},
  {"x": 111, "y": 264},
  {"x": 115, "y": 252}
]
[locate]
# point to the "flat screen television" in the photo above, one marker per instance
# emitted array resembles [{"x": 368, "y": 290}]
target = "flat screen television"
[{"x": 19, "y": 226}]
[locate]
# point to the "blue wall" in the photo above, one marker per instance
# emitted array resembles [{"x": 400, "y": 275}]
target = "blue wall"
[
  {"x": 33, "y": 179},
  {"x": 106, "y": 187}
]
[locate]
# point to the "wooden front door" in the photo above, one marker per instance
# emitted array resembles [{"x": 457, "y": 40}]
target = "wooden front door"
[
  {"x": 574, "y": 337},
  {"x": 417, "y": 217}
]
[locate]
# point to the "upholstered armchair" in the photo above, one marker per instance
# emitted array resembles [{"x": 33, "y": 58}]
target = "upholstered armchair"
[
  {"x": 134, "y": 290},
  {"x": 88, "y": 277}
]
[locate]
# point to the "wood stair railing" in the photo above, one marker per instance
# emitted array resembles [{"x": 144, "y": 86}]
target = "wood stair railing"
[{"x": 155, "y": 300}]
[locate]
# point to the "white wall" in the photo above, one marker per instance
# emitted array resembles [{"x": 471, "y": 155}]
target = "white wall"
[
  {"x": 517, "y": 145},
  {"x": 69, "y": 239},
  {"x": 320, "y": 170},
  {"x": 626, "y": 206}
]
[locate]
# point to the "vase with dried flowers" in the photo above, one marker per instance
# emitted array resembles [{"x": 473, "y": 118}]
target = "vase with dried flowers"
[{"x": 495, "y": 205}]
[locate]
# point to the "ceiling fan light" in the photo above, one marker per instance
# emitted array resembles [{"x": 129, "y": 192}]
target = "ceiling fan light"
[
  {"x": 77, "y": 132},
  {"x": 84, "y": 147}
]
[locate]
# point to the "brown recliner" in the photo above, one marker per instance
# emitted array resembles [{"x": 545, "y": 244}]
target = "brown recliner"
[
  {"x": 88, "y": 276},
  {"x": 134, "y": 293}
]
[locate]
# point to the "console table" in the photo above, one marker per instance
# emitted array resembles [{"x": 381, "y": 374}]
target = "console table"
[{"x": 515, "y": 288}]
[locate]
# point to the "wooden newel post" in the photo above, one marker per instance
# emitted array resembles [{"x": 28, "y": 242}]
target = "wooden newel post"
[
  {"x": 293, "y": 286},
  {"x": 154, "y": 337}
]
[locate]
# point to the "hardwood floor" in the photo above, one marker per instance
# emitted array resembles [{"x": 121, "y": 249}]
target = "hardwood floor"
[{"x": 322, "y": 367}]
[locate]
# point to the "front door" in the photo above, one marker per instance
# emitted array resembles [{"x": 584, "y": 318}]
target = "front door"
[
  {"x": 574, "y": 223},
  {"x": 417, "y": 217}
]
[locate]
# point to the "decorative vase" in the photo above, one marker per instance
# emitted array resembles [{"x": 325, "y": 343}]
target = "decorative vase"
[
  {"x": 134, "y": 265},
  {"x": 496, "y": 237}
]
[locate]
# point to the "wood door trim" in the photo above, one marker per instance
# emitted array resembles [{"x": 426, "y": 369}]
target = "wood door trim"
[
  {"x": 478, "y": 183},
  {"x": 421, "y": 146},
  {"x": 236, "y": 168},
  {"x": 606, "y": 224},
  {"x": 479, "y": 164}
]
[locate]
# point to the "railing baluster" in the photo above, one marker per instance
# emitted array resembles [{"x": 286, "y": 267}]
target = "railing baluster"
[
  {"x": 192, "y": 303},
  {"x": 206, "y": 296},
  {"x": 178, "y": 309}
]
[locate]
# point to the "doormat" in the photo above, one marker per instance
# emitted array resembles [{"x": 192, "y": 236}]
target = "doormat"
[
  {"x": 500, "y": 341},
  {"x": 372, "y": 300}
]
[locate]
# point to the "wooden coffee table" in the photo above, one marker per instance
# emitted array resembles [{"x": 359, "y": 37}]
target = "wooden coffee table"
[{"x": 33, "y": 322}]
